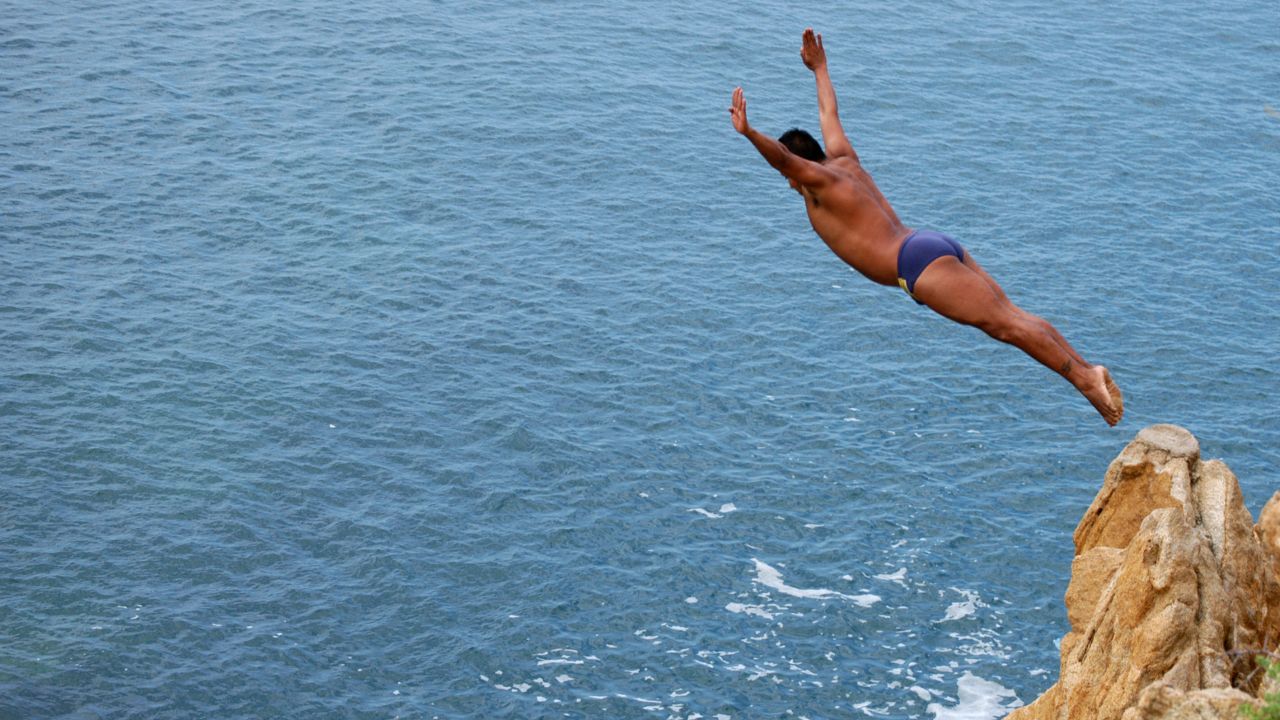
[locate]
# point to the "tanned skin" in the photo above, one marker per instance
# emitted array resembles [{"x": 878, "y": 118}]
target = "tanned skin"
[{"x": 853, "y": 218}]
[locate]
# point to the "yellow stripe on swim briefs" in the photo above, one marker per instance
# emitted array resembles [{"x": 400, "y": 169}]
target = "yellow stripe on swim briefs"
[{"x": 903, "y": 283}]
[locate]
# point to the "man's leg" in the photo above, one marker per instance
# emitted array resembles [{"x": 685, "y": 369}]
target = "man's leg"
[
  {"x": 972, "y": 264},
  {"x": 968, "y": 295}
]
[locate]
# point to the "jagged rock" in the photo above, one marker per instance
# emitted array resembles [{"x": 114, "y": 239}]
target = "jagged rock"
[
  {"x": 1268, "y": 527},
  {"x": 1161, "y": 701},
  {"x": 1172, "y": 587}
]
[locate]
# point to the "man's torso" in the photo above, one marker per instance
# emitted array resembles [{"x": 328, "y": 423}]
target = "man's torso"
[{"x": 856, "y": 222}]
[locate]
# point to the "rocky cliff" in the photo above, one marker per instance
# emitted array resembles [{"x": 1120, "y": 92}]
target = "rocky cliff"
[{"x": 1173, "y": 591}]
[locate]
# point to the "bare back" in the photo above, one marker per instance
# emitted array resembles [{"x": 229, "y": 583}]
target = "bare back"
[{"x": 853, "y": 218}]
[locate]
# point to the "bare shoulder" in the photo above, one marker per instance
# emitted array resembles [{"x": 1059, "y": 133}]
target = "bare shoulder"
[
  {"x": 845, "y": 164},
  {"x": 852, "y": 185},
  {"x": 846, "y": 169},
  {"x": 847, "y": 172}
]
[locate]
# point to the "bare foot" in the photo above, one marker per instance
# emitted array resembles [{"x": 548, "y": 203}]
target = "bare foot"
[
  {"x": 1117, "y": 397},
  {"x": 1105, "y": 395}
]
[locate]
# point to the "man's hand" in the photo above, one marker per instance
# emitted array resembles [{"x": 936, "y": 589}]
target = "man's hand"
[
  {"x": 739, "y": 112},
  {"x": 811, "y": 51}
]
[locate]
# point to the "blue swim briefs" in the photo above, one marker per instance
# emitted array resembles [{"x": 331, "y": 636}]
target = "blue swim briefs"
[{"x": 920, "y": 249}]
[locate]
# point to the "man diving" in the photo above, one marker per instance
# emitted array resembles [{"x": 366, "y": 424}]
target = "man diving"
[{"x": 848, "y": 212}]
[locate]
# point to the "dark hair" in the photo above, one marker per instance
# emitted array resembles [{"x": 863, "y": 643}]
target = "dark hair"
[{"x": 802, "y": 143}]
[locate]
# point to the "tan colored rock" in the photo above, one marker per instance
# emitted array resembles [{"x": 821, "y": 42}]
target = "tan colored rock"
[
  {"x": 1153, "y": 471},
  {"x": 1268, "y": 527},
  {"x": 1091, "y": 574},
  {"x": 1162, "y": 701},
  {"x": 1170, "y": 585}
]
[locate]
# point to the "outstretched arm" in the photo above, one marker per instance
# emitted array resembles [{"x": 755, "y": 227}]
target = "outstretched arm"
[
  {"x": 815, "y": 58},
  {"x": 806, "y": 172}
]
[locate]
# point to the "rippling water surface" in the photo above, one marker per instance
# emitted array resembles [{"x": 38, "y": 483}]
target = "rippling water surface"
[{"x": 456, "y": 359}]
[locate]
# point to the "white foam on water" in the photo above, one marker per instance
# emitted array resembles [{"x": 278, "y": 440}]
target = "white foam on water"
[
  {"x": 985, "y": 642},
  {"x": 898, "y": 577},
  {"x": 642, "y": 701},
  {"x": 771, "y": 578},
  {"x": 756, "y": 610},
  {"x": 725, "y": 509},
  {"x": 958, "y": 610},
  {"x": 979, "y": 699}
]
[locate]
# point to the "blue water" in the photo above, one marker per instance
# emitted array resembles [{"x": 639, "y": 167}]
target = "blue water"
[{"x": 456, "y": 359}]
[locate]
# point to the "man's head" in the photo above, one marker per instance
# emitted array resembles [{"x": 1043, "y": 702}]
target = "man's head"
[{"x": 802, "y": 143}]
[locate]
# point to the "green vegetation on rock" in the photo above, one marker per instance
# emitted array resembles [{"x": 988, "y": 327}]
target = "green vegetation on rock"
[{"x": 1270, "y": 708}]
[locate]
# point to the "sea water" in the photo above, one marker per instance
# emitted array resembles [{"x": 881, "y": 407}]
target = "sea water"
[{"x": 458, "y": 360}]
